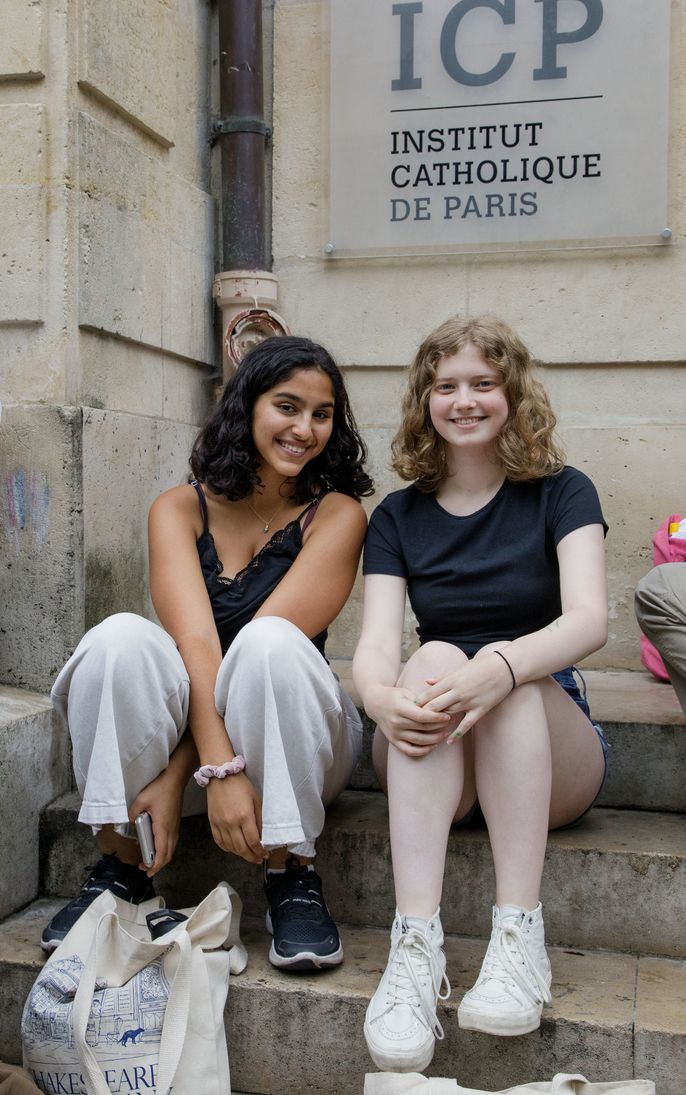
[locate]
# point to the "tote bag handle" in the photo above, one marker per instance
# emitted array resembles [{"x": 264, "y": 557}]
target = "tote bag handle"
[
  {"x": 175, "y": 1015},
  {"x": 393, "y": 1083}
]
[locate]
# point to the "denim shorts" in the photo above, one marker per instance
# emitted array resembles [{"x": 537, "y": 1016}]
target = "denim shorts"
[{"x": 567, "y": 680}]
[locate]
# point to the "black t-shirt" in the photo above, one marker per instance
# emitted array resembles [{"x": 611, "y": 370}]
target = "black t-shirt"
[{"x": 488, "y": 576}]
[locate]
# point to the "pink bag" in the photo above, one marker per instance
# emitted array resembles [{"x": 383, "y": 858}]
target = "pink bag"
[{"x": 666, "y": 549}]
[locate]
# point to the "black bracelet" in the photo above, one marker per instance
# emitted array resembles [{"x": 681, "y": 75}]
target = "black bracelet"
[{"x": 501, "y": 655}]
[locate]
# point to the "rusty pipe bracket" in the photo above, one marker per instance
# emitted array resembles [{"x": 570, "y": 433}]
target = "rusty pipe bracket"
[
  {"x": 247, "y": 299},
  {"x": 249, "y": 328},
  {"x": 221, "y": 126}
]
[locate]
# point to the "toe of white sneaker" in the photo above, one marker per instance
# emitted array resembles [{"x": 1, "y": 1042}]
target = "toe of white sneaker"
[
  {"x": 501, "y": 1022},
  {"x": 392, "y": 1056},
  {"x": 398, "y": 1043}
]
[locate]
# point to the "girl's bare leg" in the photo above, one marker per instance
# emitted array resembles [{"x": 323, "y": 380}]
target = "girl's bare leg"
[
  {"x": 425, "y": 793},
  {"x": 538, "y": 764}
]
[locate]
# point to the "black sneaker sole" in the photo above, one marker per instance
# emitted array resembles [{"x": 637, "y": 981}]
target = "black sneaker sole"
[{"x": 306, "y": 960}]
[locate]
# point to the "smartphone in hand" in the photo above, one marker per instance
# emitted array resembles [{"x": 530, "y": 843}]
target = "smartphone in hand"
[{"x": 146, "y": 840}]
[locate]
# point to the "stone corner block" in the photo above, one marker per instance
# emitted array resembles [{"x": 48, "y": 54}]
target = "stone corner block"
[
  {"x": 23, "y": 211},
  {"x": 34, "y": 769},
  {"x": 135, "y": 81},
  {"x": 41, "y": 542},
  {"x": 22, "y": 42}
]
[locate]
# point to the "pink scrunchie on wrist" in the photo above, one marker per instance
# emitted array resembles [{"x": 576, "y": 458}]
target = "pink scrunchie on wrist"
[{"x": 218, "y": 771}]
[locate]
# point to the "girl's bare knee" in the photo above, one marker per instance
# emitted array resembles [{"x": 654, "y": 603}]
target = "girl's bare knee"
[{"x": 431, "y": 660}]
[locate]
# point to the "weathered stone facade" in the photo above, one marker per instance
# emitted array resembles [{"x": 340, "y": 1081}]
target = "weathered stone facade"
[
  {"x": 106, "y": 324},
  {"x": 107, "y": 342},
  {"x": 608, "y": 323}
]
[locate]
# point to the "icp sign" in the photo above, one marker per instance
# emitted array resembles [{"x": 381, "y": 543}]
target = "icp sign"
[
  {"x": 551, "y": 40},
  {"x": 489, "y": 124}
]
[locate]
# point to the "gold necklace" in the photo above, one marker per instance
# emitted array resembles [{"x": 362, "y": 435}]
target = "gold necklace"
[{"x": 259, "y": 516}]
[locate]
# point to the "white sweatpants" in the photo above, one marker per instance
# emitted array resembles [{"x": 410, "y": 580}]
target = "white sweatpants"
[{"x": 124, "y": 695}]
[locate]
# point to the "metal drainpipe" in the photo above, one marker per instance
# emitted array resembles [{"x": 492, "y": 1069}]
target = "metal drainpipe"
[{"x": 242, "y": 132}]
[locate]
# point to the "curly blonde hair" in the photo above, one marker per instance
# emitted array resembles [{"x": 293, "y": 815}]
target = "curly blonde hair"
[{"x": 525, "y": 446}]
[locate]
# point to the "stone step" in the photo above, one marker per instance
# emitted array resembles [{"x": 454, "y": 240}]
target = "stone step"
[
  {"x": 616, "y": 881},
  {"x": 643, "y": 723},
  {"x": 613, "y": 1016},
  {"x": 34, "y": 769}
]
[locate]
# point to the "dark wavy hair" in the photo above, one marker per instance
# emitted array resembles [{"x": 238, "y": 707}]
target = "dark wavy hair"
[{"x": 224, "y": 456}]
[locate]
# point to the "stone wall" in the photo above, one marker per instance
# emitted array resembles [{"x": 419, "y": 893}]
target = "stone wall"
[
  {"x": 107, "y": 344},
  {"x": 609, "y": 323},
  {"x": 106, "y": 324}
]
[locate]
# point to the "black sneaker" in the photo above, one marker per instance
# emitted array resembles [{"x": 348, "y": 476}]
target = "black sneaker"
[
  {"x": 109, "y": 873},
  {"x": 305, "y": 936}
]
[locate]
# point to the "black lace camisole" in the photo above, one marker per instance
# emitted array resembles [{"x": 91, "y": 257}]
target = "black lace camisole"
[{"x": 235, "y": 601}]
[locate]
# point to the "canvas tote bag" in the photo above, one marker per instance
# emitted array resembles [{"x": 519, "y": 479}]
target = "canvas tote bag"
[
  {"x": 115, "y": 1010},
  {"x": 387, "y": 1083}
]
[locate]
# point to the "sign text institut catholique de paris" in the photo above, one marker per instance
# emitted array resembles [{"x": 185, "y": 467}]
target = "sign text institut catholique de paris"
[{"x": 497, "y": 124}]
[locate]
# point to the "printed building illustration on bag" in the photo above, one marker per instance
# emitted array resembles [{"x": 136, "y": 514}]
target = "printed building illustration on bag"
[{"x": 123, "y": 1019}]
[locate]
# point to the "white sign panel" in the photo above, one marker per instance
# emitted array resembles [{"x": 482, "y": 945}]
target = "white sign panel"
[{"x": 497, "y": 124}]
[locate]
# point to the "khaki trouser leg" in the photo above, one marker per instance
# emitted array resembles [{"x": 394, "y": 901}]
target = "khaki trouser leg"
[{"x": 661, "y": 612}]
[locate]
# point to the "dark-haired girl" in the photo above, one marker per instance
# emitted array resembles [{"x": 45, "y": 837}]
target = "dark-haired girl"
[
  {"x": 500, "y": 547},
  {"x": 249, "y": 564}
]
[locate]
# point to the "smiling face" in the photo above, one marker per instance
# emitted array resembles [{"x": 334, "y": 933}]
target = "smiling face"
[
  {"x": 467, "y": 404},
  {"x": 292, "y": 422}
]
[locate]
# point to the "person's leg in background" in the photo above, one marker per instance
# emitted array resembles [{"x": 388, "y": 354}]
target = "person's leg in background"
[{"x": 661, "y": 612}]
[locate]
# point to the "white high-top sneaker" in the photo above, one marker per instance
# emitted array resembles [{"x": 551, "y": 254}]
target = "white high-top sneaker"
[
  {"x": 401, "y": 1025},
  {"x": 515, "y": 977}
]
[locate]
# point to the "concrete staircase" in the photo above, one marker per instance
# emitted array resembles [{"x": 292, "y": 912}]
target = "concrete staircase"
[{"x": 615, "y": 901}]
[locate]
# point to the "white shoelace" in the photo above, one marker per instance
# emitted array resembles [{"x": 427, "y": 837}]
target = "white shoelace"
[
  {"x": 508, "y": 954},
  {"x": 405, "y": 979}
]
